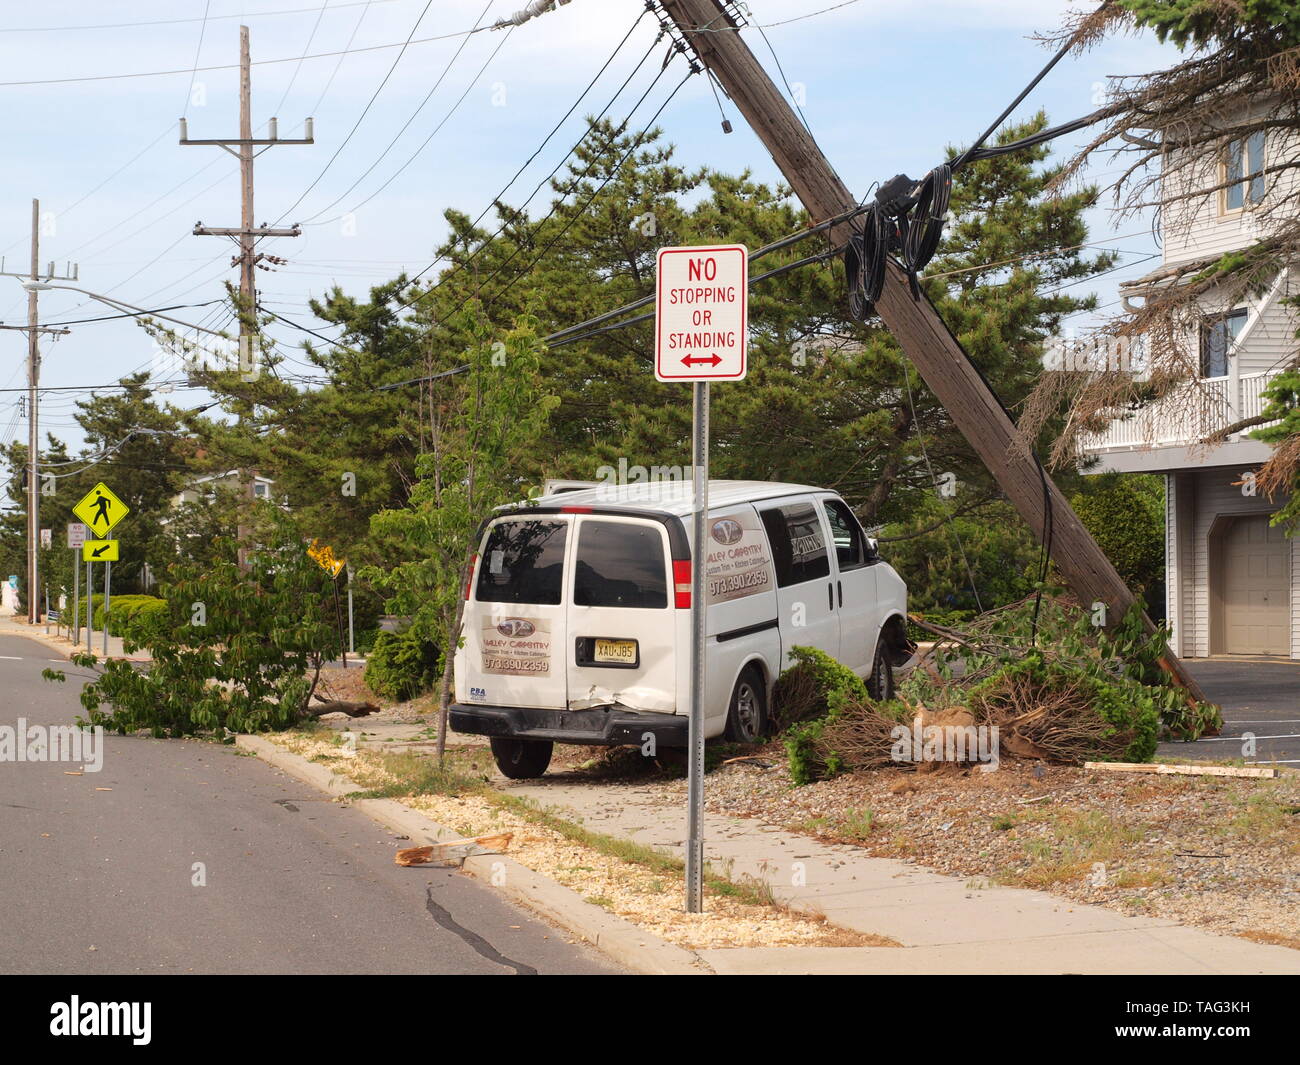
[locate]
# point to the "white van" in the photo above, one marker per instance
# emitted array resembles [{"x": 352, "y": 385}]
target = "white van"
[{"x": 577, "y": 620}]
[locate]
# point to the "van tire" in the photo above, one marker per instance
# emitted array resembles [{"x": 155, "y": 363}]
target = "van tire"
[
  {"x": 521, "y": 759},
  {"x": 747, "y": 712},
  {"x": 880, "y": 685}
]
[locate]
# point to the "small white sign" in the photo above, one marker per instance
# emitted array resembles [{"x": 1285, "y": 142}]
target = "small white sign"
[
  {"x": 76, "y": 535},
  {"x": 47, "y": 537},
  {"x": 701, "y": 313}
]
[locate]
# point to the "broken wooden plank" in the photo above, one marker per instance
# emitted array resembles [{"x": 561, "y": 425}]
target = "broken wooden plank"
[
  {"x": 454, "y": 849},
  {"x": 1184, "y": 770}
]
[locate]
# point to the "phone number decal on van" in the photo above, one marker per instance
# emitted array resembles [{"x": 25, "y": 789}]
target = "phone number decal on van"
[
  {"x": 737, "y": 562},
  {"x": 515, "y": 646}
]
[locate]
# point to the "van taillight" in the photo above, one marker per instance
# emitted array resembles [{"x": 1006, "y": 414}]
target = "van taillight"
[
  {"x": 682, "y": 583},
  {"x": 469, "y": 580}
]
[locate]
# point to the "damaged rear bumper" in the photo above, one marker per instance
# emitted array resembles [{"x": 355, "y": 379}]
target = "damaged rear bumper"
[{"x": 602, "y": 726}]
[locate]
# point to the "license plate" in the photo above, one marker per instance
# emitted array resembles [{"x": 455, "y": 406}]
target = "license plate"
[{"x": 620, "y": 651}]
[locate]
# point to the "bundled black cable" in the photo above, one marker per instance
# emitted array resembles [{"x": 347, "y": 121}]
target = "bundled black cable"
[{"x": 906, "y": 220}]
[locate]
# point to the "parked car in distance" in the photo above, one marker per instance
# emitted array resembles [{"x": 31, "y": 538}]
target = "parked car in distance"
[{"x": 577, "y": 619}]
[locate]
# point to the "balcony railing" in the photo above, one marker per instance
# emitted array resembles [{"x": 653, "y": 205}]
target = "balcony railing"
[{"x": 1184, "y": 415}]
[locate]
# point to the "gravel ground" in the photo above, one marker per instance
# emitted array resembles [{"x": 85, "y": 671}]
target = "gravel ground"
[
  {"x": 1216, "y": 852},
  {"x": 648, "y": 898},
  {"x": 1219, "y": 853}
]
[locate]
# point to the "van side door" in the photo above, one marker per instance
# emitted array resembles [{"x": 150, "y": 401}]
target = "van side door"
[
  {"x": 805, "y": 592},
  {"x": 856, "y": 595}
]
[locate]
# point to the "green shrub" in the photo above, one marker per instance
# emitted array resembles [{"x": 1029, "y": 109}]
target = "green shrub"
[
  {"x": 269, "y": 627},
  {"x": 1125, "y": 515},
  {"x": 401, "y": 665},
  {"x": 142, "y": 622},
  {"x": 806, "y": 696},
  {"x": 121, "y": 609},
  {"x": 1095, "y": 716}
]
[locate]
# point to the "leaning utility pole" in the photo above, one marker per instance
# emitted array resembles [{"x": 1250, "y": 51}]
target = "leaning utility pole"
[
  {"x": 710, "y": 29},
  {"x": 34, "y": 330},
  {"x": 248, "y": 234}
]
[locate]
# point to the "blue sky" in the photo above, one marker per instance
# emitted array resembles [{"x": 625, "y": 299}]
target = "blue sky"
[{"x": 885, "y": 86}]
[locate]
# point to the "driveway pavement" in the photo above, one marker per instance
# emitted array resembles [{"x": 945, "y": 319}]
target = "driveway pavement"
[{"x": 1260, "y": 699}]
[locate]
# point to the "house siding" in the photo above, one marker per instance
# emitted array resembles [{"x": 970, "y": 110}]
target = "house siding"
[
  {"x": 1200, "y": 498},
  {"x": 1295, "y": 597},
  {"x": 1197, "y": 228}
]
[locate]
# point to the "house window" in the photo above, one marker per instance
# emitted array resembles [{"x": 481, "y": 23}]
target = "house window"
[
  {"x": 1243, "y": 167},
  {"x": 1217, "y": 337},
  {"x": 259, "y": 490}
]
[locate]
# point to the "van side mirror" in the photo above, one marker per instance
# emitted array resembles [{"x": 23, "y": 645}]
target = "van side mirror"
[{"x": 873, "y": 547}]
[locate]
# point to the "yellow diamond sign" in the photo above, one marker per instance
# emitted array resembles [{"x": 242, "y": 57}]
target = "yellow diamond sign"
[
  {"x": 325, "y": 558},
  {"x": 100, "y": 509}
]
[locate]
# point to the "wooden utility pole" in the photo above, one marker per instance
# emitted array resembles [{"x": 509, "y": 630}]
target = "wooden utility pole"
[
  {"x": 713, "y": 33},
  {"x": 248, "y": 234},
  {"x": 34, "y": 330}
]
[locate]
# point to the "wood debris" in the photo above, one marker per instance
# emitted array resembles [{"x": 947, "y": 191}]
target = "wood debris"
[{"x": 454, "y": 849}]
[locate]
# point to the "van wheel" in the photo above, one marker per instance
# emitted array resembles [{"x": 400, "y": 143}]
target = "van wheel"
[
  {"x": 880, "y": 685},
  {"x": 747, "y": 714},
  {"x": 521, "y": 759}
]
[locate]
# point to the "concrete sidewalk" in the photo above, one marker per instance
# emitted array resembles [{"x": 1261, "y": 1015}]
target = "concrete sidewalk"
[
  {"x": 57, "y": 639},
  {"x": 945, "y": 924}
]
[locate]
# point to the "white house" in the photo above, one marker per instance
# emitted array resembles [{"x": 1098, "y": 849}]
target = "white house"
[
  {"x": 1233, "y": 580},
  {"x": 205, "y": 488}
]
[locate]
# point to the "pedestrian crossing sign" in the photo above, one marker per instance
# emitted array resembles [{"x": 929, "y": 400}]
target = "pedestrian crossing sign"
[{"x": 100, "y": 509}]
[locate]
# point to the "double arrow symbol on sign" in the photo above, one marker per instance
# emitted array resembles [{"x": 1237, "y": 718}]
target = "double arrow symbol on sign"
[{"x": 699, "y": 360}]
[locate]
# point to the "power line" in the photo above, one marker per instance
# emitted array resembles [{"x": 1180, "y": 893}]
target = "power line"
[
  {"x": 315, "y": 109},
  {"x": 407, "y": 125},
  {"x": 305, "y": 49},
  {"x": 136, "y": 314},
  {"x": 366, "y": 110},
  {"x": 198, "y": 51},
  {"x": 181, "y": 21},
  {"x": 554, "y": 170},
  {"x": 235, "y": 66}
]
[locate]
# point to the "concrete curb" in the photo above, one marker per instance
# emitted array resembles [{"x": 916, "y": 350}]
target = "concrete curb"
[{"x": 621, "y": 940}]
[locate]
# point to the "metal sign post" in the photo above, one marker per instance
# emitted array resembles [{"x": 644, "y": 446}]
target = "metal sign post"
[
  {"x": 76, "y": 600},
  {"x": 701, "y": 325},
  {"x": 352, "y": 646},
  {"x": 90, "y": 607},
  {"x": 108, "y": 579},
  {"x": 699, "y": 663}
]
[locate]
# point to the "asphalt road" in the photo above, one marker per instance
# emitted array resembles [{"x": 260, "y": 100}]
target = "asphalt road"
[
  {"x": 97, "y": 871},
  {"x": 1260, "y": 697}
]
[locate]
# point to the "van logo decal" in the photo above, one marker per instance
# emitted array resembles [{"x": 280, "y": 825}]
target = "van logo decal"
[
  {"x": 726, "y": 530},
  {"x": 516, "y": 628}
]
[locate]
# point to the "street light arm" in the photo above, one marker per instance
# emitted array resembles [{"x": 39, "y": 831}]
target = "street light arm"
[{"x": 121, "y": 305}]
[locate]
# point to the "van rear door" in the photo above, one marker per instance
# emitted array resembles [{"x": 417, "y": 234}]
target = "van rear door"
[
  {"x": 621, "y": 624},
  {"x": 516, "y": 636}
]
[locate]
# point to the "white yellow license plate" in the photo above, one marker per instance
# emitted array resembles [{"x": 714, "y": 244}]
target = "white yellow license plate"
[{"x": 621, "y": 651}]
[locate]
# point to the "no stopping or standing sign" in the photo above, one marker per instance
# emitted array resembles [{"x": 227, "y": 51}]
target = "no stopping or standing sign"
[{"x": 701, "y": 313}]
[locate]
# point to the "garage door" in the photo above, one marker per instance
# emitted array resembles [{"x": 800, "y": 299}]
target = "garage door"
[{"x": 1256, "y": 588}]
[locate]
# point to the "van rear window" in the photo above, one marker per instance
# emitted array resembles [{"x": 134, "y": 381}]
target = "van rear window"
[
  {"x": 620, "y": 565},
  {"x": 523, "y": 563}
]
